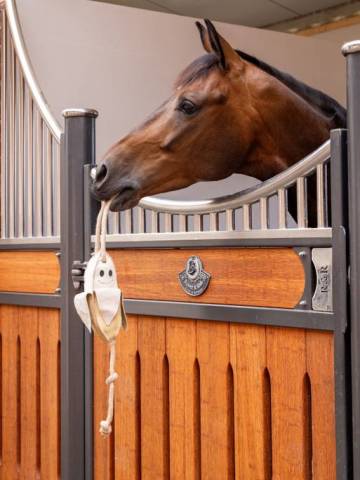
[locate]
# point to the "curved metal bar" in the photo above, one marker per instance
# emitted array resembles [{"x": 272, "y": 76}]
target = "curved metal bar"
[
  {"x": 248, "y": 196},
  {"x": 27, "y": 70}
]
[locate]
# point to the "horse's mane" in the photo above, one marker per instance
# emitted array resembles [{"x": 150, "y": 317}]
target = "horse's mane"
[{"x": 201, "y": 66}]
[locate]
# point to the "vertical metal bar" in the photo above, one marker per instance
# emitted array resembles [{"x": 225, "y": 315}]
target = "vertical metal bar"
[
  {"x": 3, "y": 171},
  {"x": 91, "y": 208},
  {"x": 38, "y": 187},
  {"x": 182, "y": 223},
  {"x": 11, "y": 147},
  {"x": 246, "y": 217},
  {"x": 154, "y": 222},
  {"x": 300, "y": 197},
  {"x": 320, "y": 196},
  {"x": 77, "y": 148},
  {"x": 230, "y": 220},
  {"x": 56, "y": 187},
  {"x": 352, "y": 50},
  {"x": 214, "y": 222},
  {"x": 48, "y": 187},
  {"x": 198, "y": 223},
  {"x": 128, "y": 221},
  {"x": 116, "y": 225},
  {"x": 29, "y": 167},
  {"x": 263, "y": 214},
  {"x": 20, "y": 153},
  {"x": 339, "y": 210},
  {"x": 282, "y": 208},
  {"x": 141, "y": 220},
  {"x": 168, "y": 222}
]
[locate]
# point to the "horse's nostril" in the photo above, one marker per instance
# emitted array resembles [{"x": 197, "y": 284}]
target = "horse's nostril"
[{"x": 100, "y": 173}]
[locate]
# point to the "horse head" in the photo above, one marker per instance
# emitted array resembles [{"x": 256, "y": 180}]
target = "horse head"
[{"x": 225, "y": 115}]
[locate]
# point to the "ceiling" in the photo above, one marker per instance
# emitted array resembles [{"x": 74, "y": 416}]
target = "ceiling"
[{"x": 254, "y": 13}]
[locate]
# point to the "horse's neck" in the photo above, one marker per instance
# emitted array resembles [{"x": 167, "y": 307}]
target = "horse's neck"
[{"x": 290, "y": 137}]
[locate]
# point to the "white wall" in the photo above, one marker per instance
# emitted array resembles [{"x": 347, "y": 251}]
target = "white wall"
[
  {"x": 340, "y": 35},
  {"x": 123, "y": 61}
]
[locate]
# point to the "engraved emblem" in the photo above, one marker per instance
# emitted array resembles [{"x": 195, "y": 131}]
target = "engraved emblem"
[
  {"x": 322, "y": 260},
  {"x": 194, "y": 280}
]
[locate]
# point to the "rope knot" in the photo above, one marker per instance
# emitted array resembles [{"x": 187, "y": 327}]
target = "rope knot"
[
  {"x": 105, "y": 428},
  {"x": 111, "y": 378}
]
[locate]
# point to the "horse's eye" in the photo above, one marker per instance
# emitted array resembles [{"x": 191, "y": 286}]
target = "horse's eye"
[{"x": 187, "y": 106}]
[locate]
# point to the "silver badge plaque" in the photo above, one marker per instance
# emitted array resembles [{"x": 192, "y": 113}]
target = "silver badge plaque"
[
  {"x": 322, "y": 260},
  {"x": 194, "y": 280}
]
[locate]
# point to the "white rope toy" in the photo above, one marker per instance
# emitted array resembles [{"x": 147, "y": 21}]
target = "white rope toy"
[{"x": 100, "y": 305}]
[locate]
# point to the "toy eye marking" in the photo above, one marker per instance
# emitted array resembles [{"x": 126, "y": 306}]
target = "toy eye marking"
[
  {"x": 102, "y": 273},
  {"x": 110, "y": 273}
]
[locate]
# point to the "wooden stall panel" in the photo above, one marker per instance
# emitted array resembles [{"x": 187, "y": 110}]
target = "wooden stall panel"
[
  {"x": 272, "y": 277},
  {"x": 154, "y": 400},
  {"x": 203, "y": 400},
  {"x": 184, "y": 399},
  {"x": 30, "y": 393},
  {"x": 216, "y": 401},
  {"x": 320, "y": 367},
  {"x": 127, "y": 406},
  {"x": 287, "y": 365},
  {"x": 252, "y": 402},
  {"x": 33, "y": 272}
]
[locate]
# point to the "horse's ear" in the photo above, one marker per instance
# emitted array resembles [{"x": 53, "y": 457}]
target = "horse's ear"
[
  {"x": 204, "y": 36},
  {"x": 218, "y": 45}
]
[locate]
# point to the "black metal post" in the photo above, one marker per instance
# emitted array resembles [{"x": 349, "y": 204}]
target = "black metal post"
[
  {"x": 339, "y": 213},
  {"x": 77, "y": 150},
  {"x": 352, "y": 52}
]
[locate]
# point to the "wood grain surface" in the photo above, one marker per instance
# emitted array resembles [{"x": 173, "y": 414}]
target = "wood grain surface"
[
  {"x": 272, "y": 277},
  {"x": 206, "y": 400},
  {"x": 33, "y": 272},
  {"x": 30, "y": 395}
]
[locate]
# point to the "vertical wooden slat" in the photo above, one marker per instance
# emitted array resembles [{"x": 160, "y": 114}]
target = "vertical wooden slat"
[
  {"x": 48, "y": 332},
  {"x": 287, "y": 366},
  {"x": 28, "y": 326},
  {"x": 253, "y": 446},
  {"x": 181, "y": 351},
  {"x": 151, "y": 331},
  {"x": 102, "y": 447},
  {"x": 127, "y": 411},
  {"x": 9, "y": 327},
  {"x": 213, "y": 354},
  {"x": 320, "y": 367}
]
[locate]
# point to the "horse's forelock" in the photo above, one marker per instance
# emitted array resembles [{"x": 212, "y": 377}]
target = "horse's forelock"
[{"x": 199, "y": 68}]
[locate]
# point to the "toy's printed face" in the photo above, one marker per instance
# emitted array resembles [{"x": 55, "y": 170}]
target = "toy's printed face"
[{"x": 105, "y": 275}]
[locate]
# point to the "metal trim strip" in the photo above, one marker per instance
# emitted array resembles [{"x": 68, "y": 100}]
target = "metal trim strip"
[
  {"x": 30, "y": 299},
  {"x": 232, "y": 313}
]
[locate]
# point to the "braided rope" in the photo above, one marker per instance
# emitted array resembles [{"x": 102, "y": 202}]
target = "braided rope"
[{"x": 100, "y": 246}]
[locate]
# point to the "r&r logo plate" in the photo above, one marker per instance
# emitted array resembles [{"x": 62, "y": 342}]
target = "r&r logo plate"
[{"x": 194, "y": 280}]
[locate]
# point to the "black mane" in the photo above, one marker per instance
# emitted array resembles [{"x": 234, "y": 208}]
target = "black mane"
[
  {"x": 326, "y": 104},
  {"x": 201, "y": 66}
]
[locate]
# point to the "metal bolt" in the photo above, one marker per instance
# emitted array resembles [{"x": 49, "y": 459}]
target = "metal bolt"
[{"x": 302, "y": 253}]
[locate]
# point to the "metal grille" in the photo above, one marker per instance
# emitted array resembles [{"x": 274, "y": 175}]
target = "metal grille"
[
  {"x": 30, "y": 172},
  {"x": 264, "y": 208},
  {"x": 30, "y": 151}
]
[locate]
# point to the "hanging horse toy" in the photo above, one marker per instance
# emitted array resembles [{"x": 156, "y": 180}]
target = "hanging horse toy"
[{"x": 100, "y": 305}]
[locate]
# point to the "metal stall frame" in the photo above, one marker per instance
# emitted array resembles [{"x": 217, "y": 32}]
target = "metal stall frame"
[{"x": 77, "y": 158}]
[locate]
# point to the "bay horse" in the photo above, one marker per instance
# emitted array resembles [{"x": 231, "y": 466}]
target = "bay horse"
[{"x": 229, "y": 113}]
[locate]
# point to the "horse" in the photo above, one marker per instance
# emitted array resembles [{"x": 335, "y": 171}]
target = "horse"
[{"x": 229, "y": 113}]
